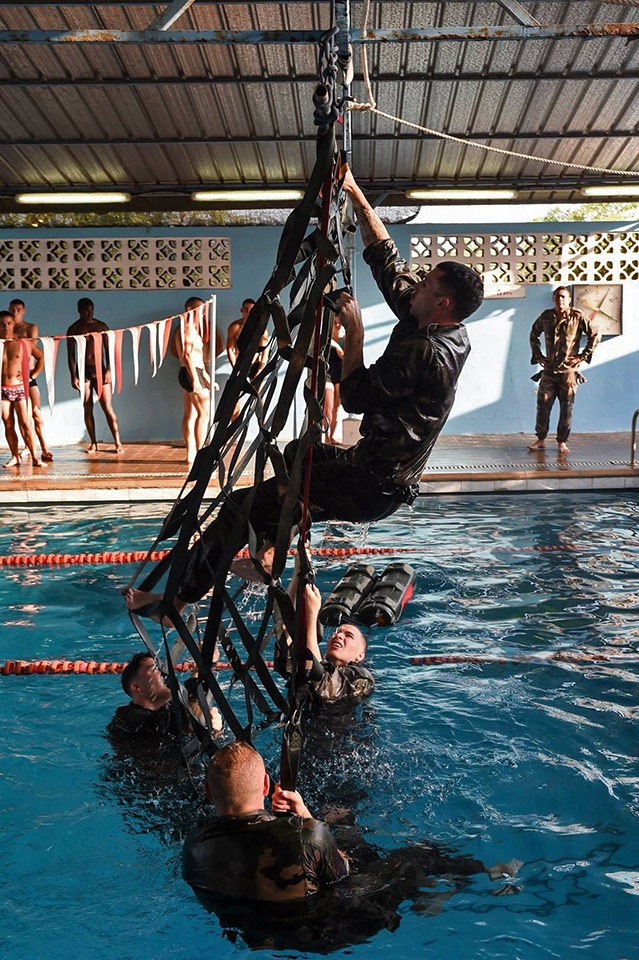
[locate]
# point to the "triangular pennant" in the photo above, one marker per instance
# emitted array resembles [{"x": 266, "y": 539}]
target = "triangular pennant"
[
  {"x": 153, "y": 345},
  {"x": 135, "y": 336},
  {"x": 81, "y": 348},
  {"x": 50, "y": 352},
  {"x": 97, "y": 359},
  {"x": 117, "y": 356}
]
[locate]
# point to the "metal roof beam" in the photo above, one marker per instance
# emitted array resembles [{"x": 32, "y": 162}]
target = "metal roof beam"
[
  {"x": 497, "y": 76},
  {"x": 172, "y": 13},
  {"x": 402, "y": 35},
  {"x": 518, "y": 12},
  {"x": 487, "y": 138}
]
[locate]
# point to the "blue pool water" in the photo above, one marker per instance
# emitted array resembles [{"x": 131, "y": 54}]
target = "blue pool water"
[{"x": 534, "y": 761}]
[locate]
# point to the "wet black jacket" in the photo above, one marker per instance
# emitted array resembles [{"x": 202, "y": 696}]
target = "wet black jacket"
[{"x": 407, "y": 395}]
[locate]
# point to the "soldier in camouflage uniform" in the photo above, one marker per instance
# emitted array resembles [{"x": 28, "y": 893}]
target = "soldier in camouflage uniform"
[
  {"x": 249, "y": 854},
  {"x": 563, "y": 329}
]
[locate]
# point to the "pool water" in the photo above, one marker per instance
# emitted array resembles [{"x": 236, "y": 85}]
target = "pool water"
[{"x": 533, "y": 760}]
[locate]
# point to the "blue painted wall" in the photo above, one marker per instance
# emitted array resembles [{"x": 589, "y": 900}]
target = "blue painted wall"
[{"x": 495, "y": 392}]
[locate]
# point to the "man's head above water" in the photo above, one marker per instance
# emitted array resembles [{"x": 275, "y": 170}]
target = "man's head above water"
[{"x": 346, "y": 645}]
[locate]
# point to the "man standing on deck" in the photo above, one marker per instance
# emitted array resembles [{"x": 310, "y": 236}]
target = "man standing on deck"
[
  {"x": 94, "y": 377},
  {"x": 563, "y": 329},
  {"x": 30, "y": 331},
  {"x": 406, "y": 397}
]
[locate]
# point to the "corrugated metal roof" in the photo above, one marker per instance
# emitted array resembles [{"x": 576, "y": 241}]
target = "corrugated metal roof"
[{"x": 162, "y": 119}]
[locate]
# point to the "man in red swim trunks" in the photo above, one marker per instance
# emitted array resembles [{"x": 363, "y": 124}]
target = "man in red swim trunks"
[{"x": 14, "y": 395}]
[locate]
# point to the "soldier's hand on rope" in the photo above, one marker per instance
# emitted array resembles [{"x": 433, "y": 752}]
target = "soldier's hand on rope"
[
  {"x": 289, "y": 801},
  {"x": 350, "y": 316}
]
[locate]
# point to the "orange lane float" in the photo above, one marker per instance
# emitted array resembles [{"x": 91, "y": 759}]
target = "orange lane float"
[{"x": 24, "y": 667}]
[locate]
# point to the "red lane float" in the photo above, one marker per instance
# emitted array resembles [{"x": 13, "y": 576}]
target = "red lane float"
[
  {"x": 137, "y": 556},
  {"x": 23, "y": 667}
]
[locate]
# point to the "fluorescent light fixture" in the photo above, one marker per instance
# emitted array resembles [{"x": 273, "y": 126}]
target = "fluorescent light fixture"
[
  {"x": 245, "y": 196},
  {"x": 461, "y": 194},
  {"x": 53, "y": 198},
  {"x": 618, "y": 190}
]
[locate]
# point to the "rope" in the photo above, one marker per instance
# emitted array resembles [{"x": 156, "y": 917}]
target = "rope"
[
  {"x": 560, "y": 656},
  {"x": 23, "y": 667},
  {"x": 371, "y": 107},
  {"x": 136, "y": 556}
]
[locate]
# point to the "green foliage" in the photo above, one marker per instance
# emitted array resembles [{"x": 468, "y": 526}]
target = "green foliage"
[{"x": 597, "y": 212}]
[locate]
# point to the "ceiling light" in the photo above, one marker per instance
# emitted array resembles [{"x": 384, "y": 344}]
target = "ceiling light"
[
  {"x": 619, "y": 190},
  {"x": 70, "y": 198},
  {"x": 461, "y": 194},
  {"x": 245, "y": 196}
]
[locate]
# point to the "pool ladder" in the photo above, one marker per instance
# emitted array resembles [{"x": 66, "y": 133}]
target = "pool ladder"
[{"x": 633, "y": 439}]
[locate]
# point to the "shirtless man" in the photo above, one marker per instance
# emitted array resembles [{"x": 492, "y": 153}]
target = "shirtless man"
[
  {"x": 194, "y": 356},
  {"x": 14, "y": 396},
  {"x": 233, "y": 352},
  {"x": 87, "y": 323},
  {"x": 30, "y": 331}
]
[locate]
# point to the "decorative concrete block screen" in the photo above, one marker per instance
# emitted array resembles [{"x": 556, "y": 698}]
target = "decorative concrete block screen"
[
  {"x": 519, "y": 258},
  {"x": 116, "y": 263}
]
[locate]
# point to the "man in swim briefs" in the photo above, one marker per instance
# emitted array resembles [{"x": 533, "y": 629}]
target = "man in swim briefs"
[
  {"x": 88, "y": 324},
  {"x": 14, "y": 394},
  {"x": 30, "y": 331},
  {"x": 194, "y": 354}
]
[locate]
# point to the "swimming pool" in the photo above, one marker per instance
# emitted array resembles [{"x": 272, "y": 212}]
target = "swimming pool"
[{"x": 532, "y": 760}]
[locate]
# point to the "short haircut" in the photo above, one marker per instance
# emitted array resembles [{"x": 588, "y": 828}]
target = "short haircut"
[
  {"x": 85, "y": 302},
  {"x": 463, "y": 285},
  {"x": 248, "y": 300},
  {"x": 17, "y": 303},
  {"x": 193, "y": 302},
  {"x": 235, "y": 770},
  {"x": 559, "y": 289},
  {"x": 130, "y": 672},
  {"x": 6, "y": 313}
]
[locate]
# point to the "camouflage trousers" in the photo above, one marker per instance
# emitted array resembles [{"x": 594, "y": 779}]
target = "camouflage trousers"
[{"x": 556, "y": 386}]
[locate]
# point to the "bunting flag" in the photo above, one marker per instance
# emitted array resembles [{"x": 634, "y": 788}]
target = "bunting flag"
[
  {"x": 115, "y": 374},
  {"x": 117, "y": 355},
  {"x": 96, "y": 336},
  {"x": 50, "y": 351},
  {"x": 1, "y": 353},
  {"x": 135, "y": 336},
  {"x": 153, "y": 345},
  {"x": 25, "y": 359},
  {"x": 160, "y": 332},
  {"x": 164, "y": 336},
  {"x": 81, "y": 346}
]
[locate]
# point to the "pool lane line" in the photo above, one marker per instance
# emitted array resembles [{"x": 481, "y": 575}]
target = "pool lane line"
[{"x": 29, "y": 667}]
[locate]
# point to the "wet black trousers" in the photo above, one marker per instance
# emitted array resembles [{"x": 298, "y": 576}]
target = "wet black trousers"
[{"x": 339, "y": 491}]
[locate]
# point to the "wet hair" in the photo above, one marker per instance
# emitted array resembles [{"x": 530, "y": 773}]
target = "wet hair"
[
  {"x": 130, "y": 672},
  {"x": 17, "y": 303},
  {"x": 236, "y": 770},
  {"x": 6, "y": 313},
  {"x": 193, "y": 302},
  {"x": 463, "y": 285},
  {"x": 559, "y": 289},
  {"x": 248, "y": 300},
  {"x": 85, "y": 302}
]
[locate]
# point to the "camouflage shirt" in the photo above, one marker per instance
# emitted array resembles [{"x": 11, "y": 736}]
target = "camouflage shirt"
[
  {"x": 562, "y": 339},
  {"x": 407, "y": 395},
  {"x": 351, "y": 681},
  {"x": 262, "y": 857}
]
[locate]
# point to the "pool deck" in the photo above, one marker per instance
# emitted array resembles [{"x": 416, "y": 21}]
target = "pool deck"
[{"x": 499, "y": 463}]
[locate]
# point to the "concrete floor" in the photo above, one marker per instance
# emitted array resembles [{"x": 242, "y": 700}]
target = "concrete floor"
[{"x": 458, "y": 464}]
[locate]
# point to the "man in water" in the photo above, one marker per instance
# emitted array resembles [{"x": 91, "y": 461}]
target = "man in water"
[
  {"x": 563, "y": 329},
  {"x": 280, "y": 879},
  {"x": 249, "y": 854},
  {"x": 339, "y": 674},
  {"x": 150, "y": 713},
  {"x": 406, "y": 398},
  {"x": 86, "y": 325}
]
